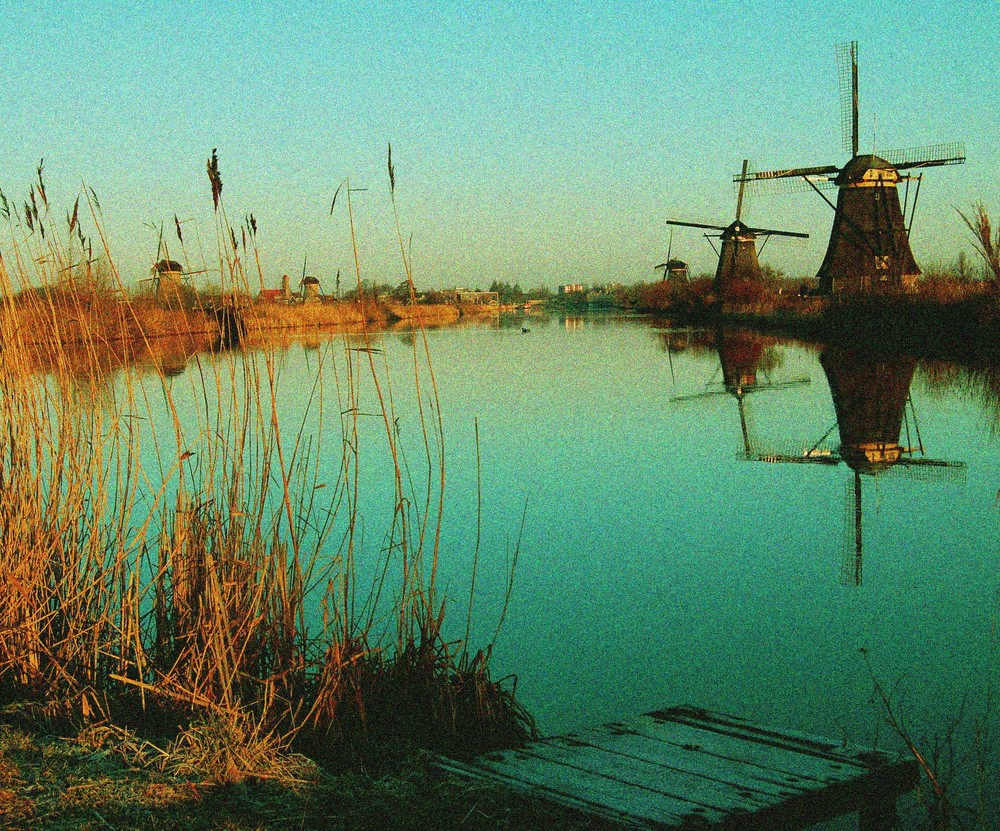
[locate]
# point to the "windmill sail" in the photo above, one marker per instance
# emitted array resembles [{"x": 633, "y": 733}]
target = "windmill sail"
[
  {"x": 933, "y": 155},
  {"x": 847, "y": 76},
  {"x": 696, "y": 225}
]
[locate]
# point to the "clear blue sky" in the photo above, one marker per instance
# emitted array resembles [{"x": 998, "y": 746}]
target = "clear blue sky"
[{"x": 533, "y": 142}]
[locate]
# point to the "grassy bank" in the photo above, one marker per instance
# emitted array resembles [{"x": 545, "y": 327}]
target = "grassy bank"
[{"x": 108, "y": 779}]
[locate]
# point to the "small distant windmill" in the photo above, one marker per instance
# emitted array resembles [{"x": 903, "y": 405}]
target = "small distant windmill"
[
  {"x": 738, "y": 255},
  {"x": 309, "y": 287},
  {"x": 743, "y": 359},
  {"x": 674, "y": 269},
  {"x": 168, "y": 276},
  {"x": 871, "y": 397},
  {"x": 869, "y": 248}
]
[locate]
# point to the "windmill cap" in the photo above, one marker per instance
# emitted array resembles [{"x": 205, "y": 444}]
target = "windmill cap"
[
  {"x": 166, "y": 266},
  {"x": 738, "y": 229},
  {"x": 871, "y": 457},
  {"x": 867, "y": 168}
]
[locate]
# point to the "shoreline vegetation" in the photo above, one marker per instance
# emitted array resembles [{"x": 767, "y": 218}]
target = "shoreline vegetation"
[
  {"x": 949, "y": 321},
  {"x": 941, "y": 320},
  {"x": 949, "y": 314},
  {"x": 198, "y": 605},
  {"x": 186, "y": 637}
]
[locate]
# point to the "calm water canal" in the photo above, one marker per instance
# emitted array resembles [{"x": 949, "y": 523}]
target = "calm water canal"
[{"x": 699, "y": 529}]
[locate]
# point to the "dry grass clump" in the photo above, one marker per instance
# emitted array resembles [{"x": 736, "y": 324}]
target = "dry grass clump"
[
  {"x": 424, "y": 313},
  {"x": 986, "y": 240},
  {"x": 673, "y": 295},
  {"x": 172, "y": 558},
  {"x": 327, "y": 314},
  {"x": 228, "y": 750},
  {"x": 944, "y": 289}
]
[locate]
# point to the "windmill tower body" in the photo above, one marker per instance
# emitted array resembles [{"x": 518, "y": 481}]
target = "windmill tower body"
[
  {"x": 168, "y": 276},
  {"x": 737, "y": 258},
  {"x": 740, "y": 355},
  {"x": 869, "y": 248},
  {"x": 869, "y": 396}
]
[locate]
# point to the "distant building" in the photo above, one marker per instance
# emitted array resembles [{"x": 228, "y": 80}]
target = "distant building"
[
  {"x": 571, "y": 288},
  {"x": 466, "y": 297},
  {"x": 282, "y": 295}
]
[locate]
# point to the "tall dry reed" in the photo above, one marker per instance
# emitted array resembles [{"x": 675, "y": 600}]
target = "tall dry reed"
[{"x": 209, "y": 569}]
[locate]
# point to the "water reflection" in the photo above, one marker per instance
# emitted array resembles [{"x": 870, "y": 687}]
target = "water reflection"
[
  {"x": 878, "y": 430},
  {"x": 980, "y": 384},
  {"x": 748, "y": 363},
  {"x": 92, "y": 359}
]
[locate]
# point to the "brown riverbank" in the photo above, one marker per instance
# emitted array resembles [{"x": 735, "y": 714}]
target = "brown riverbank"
[
  {"x": 948, "y": 321},
  {"x": 116, "y": 325}
]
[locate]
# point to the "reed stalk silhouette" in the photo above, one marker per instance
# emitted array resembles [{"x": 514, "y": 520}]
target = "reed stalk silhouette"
[
  {"x": 986, "y": 240},
  {"x": 207, "y": 572}
]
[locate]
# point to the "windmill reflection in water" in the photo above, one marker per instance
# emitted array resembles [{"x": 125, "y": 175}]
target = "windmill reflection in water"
[
  {"x": 746, "y": 362},
  {"x": 879, "y": 435}
]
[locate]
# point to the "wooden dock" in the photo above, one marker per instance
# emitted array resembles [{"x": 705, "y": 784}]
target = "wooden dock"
[{"x": 687, "y": 768}]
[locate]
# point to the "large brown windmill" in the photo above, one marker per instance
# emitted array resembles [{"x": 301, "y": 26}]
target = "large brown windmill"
[
  {"x": 869, "y": 248},
  {"x": 738, "y": 254}
]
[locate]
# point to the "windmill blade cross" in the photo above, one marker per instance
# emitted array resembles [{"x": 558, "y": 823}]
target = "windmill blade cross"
[
  {"x": 932, "y": 155},
  {"x": 762, "y": 232},
  {"x": 696, "y": 225}
]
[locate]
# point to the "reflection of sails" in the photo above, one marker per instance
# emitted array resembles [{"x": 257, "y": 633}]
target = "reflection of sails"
[
  {"x": 746, "y": 360},
  {"x": 878, "y": 430}
]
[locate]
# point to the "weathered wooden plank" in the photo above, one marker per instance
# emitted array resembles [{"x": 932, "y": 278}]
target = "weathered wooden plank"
[
  {"x": 766, "y": 786},
  {"x": 577, "y": 803},
  {"x": 777, "y": 759},
  {"x": 653, "y": 776},
  {"x": 592, "y": 792},
  {"x": 795, "y": 740},
  {"x": 676, "y": 767}
]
